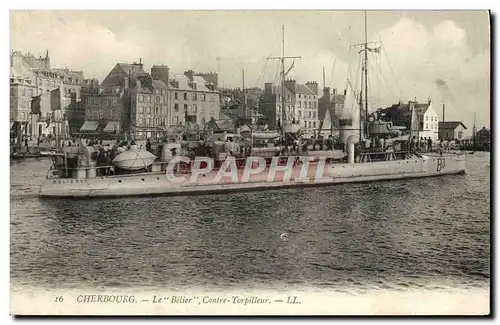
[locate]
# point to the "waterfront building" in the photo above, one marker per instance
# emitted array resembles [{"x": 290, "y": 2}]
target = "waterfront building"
[
  {"x": 301, "y": 104},
  {"x": 451, "y": 130},
  {"x": 145, "y": 105},
  {"x": 400, "y": 115},
  {"x": 59, "y": 91}
]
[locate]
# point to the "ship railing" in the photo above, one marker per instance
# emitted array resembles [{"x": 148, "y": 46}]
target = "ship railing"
[{"x": 58, "y": 170}]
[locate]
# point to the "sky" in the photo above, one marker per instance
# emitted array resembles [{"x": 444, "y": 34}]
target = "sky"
[{"x": 441, "y": 55}]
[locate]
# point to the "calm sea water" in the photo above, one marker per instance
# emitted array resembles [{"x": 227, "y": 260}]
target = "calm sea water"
[{"x": 424, "y": 233}]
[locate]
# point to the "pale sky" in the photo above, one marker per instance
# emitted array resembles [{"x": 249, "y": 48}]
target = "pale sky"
[{"x": 444, "y": 55}]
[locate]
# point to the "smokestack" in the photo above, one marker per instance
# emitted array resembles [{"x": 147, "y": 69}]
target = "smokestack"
[{"x": 443, "y": 112}]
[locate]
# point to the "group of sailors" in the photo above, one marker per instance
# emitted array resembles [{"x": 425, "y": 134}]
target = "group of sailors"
[{"x": 93, "y": 152}]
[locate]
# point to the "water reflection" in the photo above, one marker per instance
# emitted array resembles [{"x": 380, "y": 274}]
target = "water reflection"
[{"x": 386, "y": 234}]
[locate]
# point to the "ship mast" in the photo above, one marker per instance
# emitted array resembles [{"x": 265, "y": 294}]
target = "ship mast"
[
  {"x": 364, "y": 87},
  {"x": 244, "y": 93},
  {"x": 282, "y": 61},
  {"x": 366, "y": 76}
]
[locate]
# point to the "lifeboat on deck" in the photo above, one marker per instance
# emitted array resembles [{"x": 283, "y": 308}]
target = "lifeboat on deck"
[{"x": 134, "y": 159}]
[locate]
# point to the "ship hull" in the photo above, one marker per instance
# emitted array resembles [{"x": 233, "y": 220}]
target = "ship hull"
[{"x": 152, "y": 184}]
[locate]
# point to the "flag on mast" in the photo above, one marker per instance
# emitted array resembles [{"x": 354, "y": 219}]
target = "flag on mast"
[
  {"x": 374, "y": 50},
  {"x": 291, "y": 67}
]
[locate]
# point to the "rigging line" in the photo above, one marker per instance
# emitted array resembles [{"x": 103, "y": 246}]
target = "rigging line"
[
  {"x": 276, "y": 74},
  {"x": 384, "y": 81},
  {"x": 333, "y": 71},
  {"x": 263, "y": 72},
  {"x": 392, "y": 70},
  {"x": 376, "y": 70}
]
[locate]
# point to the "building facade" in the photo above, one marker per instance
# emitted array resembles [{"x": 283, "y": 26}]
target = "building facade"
[
  {"x": 483, "y": 135},
  {"x": 453, "y": 130},
  {"x": 400, "y": 115},
  {"x": 300, "y": 104},
  {"x": 151, "y": 103},
  {"x": 59, "y": 91},
  {"x": 194, "y": 98},
  {"x": 104, "y": 112}
]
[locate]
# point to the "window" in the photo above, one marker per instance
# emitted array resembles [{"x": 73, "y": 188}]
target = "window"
[
  {"x": 176, "y": 95},
  {"x": 427, "y": 118},
  {"x": 309, "y": 114},
  {"x": 157, "y": 110},
  {"x": 12, "y": 91},
  {"x": 300, "y": 105},
  {"x": 148, "y": 122},
  {"x": 23, "y": 116},
  {"x": 157, "y": 121},
  {"x": 185, "y": 107},
  {"x": 426, "y": 126},
  {"x": 31, "y": 92},
  {"x": 300, "y": 114},
  {"x": 194, "y": 96},
  {"x": 24, "y": 91},
  {"x": 175, "y": 120},
  {"x": 305, "y": 124},
  {"x": 148, "y": 110},
  {"x": 203, "y": 97},
  {"x": 299, "y": 96},
  {"x": 460, "y": 134},
  {"x": 309, "y": 123},
  {"x": 140, "y": 109},
  {"x": 314, "y": 124},
  {"x": 176, "y": 107},
  {"x": 202, "y": 109},
  {"x": 148, "y": 99},
  {"x": 194, "y": 108},
  {"x": 100, "y": 114},
  {"x": 185, "y": 96},
  {"x": 314, "y": 114},
  {"x": 157, "y": 99}
]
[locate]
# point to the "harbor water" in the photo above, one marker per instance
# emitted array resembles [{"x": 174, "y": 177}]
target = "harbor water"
[{"x": 424, "y": 233}]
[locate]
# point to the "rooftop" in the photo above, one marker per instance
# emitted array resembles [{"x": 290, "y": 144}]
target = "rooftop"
[{"x": 451, "y": 125}]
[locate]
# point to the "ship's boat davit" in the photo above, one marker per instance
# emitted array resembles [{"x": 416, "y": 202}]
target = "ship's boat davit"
[{"x": 134, "y": 159}]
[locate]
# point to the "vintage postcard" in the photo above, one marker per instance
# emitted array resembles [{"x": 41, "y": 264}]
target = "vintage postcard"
[{"x": 250, "y": 162}]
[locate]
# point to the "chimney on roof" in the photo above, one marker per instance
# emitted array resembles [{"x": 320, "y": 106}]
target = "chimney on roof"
[
  {"x": 313, "y": 85},
  {"x": 334, "y": 91},
  {"x": 326, "y": 92},
  {"x": 290, "y": 84},
  {"x": 345, "y": 92},
  {"x": 189, "y": 74},
  {"x": 268, "y": 88}
]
